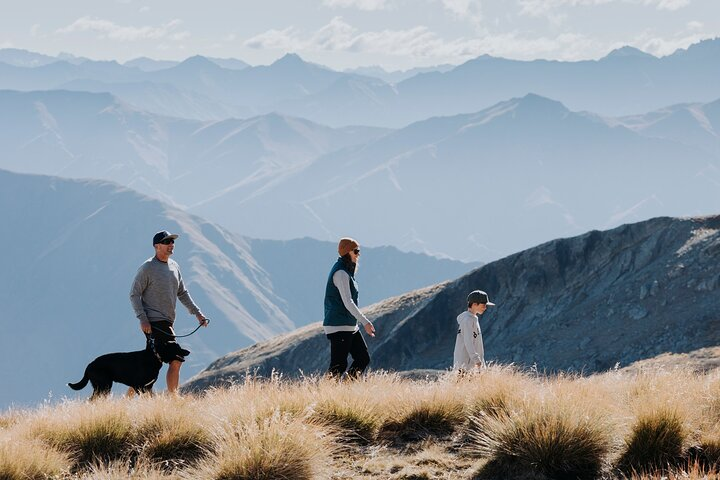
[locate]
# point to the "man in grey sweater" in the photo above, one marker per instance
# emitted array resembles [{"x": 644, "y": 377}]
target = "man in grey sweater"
[{"x": 157, "y": 285}]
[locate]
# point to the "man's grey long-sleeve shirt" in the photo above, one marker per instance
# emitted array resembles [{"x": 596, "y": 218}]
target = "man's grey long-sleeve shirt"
[{"x": 156, "y": 288}]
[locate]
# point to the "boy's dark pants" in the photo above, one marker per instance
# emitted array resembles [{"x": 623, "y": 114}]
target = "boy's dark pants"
[{"x": 342, "y": 344}]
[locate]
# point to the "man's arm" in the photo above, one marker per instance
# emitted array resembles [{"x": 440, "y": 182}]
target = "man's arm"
[
  {"x": 342, "y": 281},
  {"x": 139, "y": 285},
  {"x": 185, "y": 298}
]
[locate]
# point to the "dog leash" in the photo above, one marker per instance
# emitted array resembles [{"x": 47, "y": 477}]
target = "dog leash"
[{"x": 207, "y": 322}]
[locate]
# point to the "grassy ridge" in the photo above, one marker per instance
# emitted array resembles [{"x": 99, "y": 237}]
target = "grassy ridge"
[{"x": 500, "y": 423}]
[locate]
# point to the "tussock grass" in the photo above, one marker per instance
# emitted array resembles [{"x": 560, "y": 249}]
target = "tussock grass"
[
  {"x": 9, "y": 419},
  {"x": 554, "y": 438},
  {"x": 436, "y": 416},
  {"x": 498, "y": 423},
  {"x": 101, "y": 431},
  {"x": 276, "y": 448},
  {"x": 27, "y": 460},
  {"x": 169, "y": 431},
  {"x": 353, "y": 422},
  {"x": 124, "y": 470},
  {"x": 656, "y": 442}
]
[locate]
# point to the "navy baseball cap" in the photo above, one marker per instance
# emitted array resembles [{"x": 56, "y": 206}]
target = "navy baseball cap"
[
  {"x": 478, "y": 296},
  {"x": 163, "y": 235}
]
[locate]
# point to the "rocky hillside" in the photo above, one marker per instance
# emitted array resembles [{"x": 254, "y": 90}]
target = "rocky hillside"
[{"x": 585, "y": 304}]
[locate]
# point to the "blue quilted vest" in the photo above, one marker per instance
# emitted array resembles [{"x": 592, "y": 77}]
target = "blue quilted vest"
[{"x": 335, "y": 312}]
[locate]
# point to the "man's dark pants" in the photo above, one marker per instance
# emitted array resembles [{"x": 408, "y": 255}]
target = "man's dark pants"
[{"x": 343, "y": 344}]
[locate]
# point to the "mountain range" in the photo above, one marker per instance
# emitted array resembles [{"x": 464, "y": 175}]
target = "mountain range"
[
  {"x": 625, "y": 82},
  {"x": 585, "y": 304},
  {"x": 474, "y": 187},
  {"x": 70, "y": 252}
]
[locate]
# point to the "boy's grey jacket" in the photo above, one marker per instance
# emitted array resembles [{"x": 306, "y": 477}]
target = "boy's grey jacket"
[{"x": 468, "y": 343}]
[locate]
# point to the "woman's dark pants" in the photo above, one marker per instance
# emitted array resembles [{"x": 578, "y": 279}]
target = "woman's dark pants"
[{"x": 342, "y": 344}]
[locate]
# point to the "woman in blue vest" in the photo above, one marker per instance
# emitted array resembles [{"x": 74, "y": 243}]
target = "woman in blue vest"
[{"x": 342, "y": 314}]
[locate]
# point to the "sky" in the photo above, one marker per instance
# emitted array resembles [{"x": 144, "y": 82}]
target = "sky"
[{"x": 342, "y": 34}]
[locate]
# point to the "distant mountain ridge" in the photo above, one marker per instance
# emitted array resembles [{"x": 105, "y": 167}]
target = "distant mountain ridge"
[
  {"x": 486, "y": 184},
  {"x": 625, "y": 82},
  {"x": 584, "y": 303},
  {"x": 529, "y": 167}
]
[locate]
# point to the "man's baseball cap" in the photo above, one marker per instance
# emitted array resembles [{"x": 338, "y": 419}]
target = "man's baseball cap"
[
  {"x": 163, "y": 235},
  {"x": 478, "y": 296}
]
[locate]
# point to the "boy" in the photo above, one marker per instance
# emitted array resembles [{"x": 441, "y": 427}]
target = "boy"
[{"x": 469, "y": 352}]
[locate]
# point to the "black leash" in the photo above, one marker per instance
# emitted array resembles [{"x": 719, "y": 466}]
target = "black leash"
[{"x": 207, "y": 322}]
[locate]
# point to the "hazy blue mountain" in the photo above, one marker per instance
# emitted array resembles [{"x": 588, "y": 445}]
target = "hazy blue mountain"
[
  {"x": 150, "y": 65},
  {"x": 257, "y": 89},
  {"x": 397, "y": 75},
  {"x": 625, "y": 82},
  {"x": 163, "y": 99},
  {"x": 583, "y": 304},
  {"x": 362, "y": 99},
  {"x": 532, "y": 169},
  {"x": 694, "y": 124},
  {"x": 71, "y": 249},
  {"x": 24, "y": 58},
  {"x": 77, "y": 134},
  {"x": 483, "y": 185},
  {"x": 229, "y": 63}
]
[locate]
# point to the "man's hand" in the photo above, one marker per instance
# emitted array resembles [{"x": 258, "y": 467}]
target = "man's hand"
[
  {"x": 201, "y": 318},
  {"x": 145, "y": 327},
  {"x": 370, "y": 329}
]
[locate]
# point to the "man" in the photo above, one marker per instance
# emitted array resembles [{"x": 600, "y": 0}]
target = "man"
[
  {"x": 157, "y": 285},
  {"x": 342, "y": 314},
  {"x": 469, "y": 351}
]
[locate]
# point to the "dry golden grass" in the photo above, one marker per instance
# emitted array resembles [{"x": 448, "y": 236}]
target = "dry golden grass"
[
  {"x": 498, "y": 423},
  {"x": 274, "y": 448},
  {"x": 99, "y": 431},
  {"x": 30, "y": 460}
]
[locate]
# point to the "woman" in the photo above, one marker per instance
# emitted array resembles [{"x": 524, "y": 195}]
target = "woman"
[{"x": 342, "y": 314}]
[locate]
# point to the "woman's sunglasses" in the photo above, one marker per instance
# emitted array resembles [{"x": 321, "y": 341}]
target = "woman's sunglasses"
[
  {"x": 169, "y": 241},
  {"x": 357, "y": 251}
]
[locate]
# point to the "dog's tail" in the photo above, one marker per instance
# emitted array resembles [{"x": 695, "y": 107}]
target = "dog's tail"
[{"x": 81, "y": 384}]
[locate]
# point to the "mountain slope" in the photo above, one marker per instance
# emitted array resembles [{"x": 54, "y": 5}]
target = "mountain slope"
[
  {"x": 77, "y": 134},
  {"x": 625, "y": 82},
  {"x": 583, "y": 303},
  {"x": 70, "y": 252},
  {"x": 483, "y": 185}
]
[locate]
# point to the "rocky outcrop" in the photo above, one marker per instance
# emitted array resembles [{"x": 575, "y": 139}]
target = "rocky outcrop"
[{"x": 586, "y": 303}]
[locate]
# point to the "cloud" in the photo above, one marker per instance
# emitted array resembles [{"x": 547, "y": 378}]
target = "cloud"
[
  {"x": 421, "y": 42},
  {"x": 543, "y": 7},
  {"x": 112, "y": 31},
  {"x": 279, "y": 39},
  {"x": 666, "y": 46},
  {"x": 6, "y": 45},
  {"x": 468, "y": 10},
  {"x": 34, "y": 30},
  {"x": 669, "y": 4},
  {"x": 368, "y": 5},
  {"x": 144, "y": 9}
]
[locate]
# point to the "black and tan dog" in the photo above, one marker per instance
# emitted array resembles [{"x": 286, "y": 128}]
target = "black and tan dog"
[{"x": 138, "y": 370}]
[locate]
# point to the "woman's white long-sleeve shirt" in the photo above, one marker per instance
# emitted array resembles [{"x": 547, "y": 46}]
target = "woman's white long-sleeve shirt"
[{"x": 341, "y": 280}]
